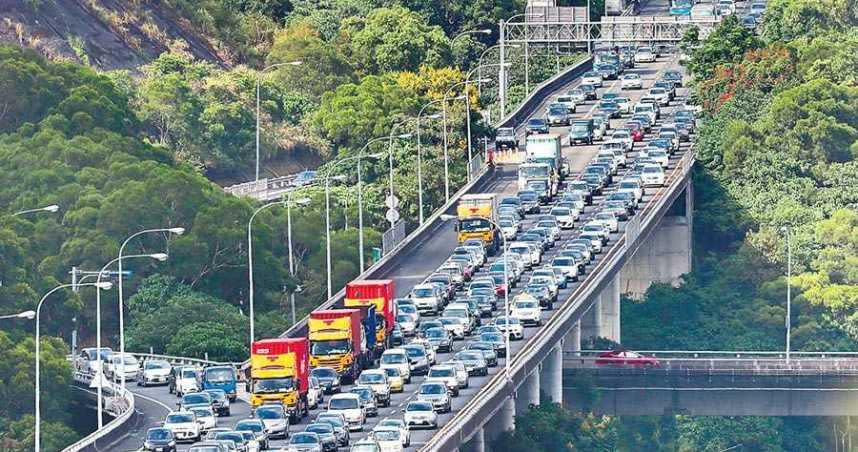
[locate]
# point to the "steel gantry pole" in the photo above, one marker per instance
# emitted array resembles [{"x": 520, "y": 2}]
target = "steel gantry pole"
[
  {"x": 37, "y": 430},
  {"x": 258, "y": 77},
  {"x": 177, "y": 231},
  {"x": 302, "y": 202},
  {"x": 789, "y": 291}
]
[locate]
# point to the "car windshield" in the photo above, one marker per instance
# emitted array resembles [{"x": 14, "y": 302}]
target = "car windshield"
[
  {"x": 202, "y": 412},
  {"x": 189, "y": 374},
  {"x": 195, "y": 398},
  {"x": 324, "y": 372},
  {"x": 273, "y": 385},
  {"x": 235, "y": 437},
  {"x": 219, "y": 375},
  {"x": 321, "y": 348},
  {"x": 564, "y": 262},
  {"x": 441, "y": 372},
  {"x": 386, "y": 435},
  {"x": 365, "y": 394},
  {"x": 652, "y": 169},
  {"x": 250, "y": 426},
  {"x": 432, "y": 389},
  {"x": 475, "y": 224},
  {"x": 419, "y": 406},
  {"x": 156, "y": 365},
  {"x": 343, "y": 404},
  {"x": 401, "y": 318},
  {"x": 393, "y": 358},
  {"x": 268, "y": 413},
  {"x": 415, "y": 352},
  {"x": 559, "y": 110},
  {"x": 435, "y": 333},
  {"x": 320, "y": 428},
  {"x": 303, "y": 438},
  {"x": 179, "y": 418},
  {"x": 392, "y": 372},
  {"x": 536, "y": 122},
  {"x": 491, "y": 337},
  {"x": 525, "y": 305},
  {"x": 158, "y": 434},
  {"x": 368, "y": 377}
]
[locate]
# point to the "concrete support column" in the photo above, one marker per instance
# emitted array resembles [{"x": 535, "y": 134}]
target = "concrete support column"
[
  {"x": 610, "y": 303},
  {"x": 572, "y": 341},
  {"x": 528, "y": 393},
  {"x": 591, "y": 321},
  {"x": 551, "y": 375},
  {"x": 478, "y": 442},
  {"x": 506, "y": 416}
]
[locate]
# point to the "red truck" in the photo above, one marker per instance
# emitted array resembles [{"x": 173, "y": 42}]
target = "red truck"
[
  {"x": 378, "y": 292},
  {"x": 279, "y": 371},
  {"x": 338, "y": 340}
]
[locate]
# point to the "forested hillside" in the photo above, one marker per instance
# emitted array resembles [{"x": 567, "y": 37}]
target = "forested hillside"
[{"x": 777, "y": 156}]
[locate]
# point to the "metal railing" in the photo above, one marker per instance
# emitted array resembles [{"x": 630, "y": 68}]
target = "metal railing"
[
  {"x": 488, "y": 400},
  {"x": 120, "y": 405},
  {"x": 264, "y": 189}
]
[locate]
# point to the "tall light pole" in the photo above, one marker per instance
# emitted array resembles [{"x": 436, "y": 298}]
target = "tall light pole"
[
  {"x": 360, "y": 198},
  {"x": 177, "y": 231},
  {"x": 250, "y": 290},
  {"x": 38, "y": 427},
  {"x": 98, "y": 371},
  {"x": 328, "y": 178},
  {"x": 51, "y": 208},
  {"x": 502, "y": 68},
  {"x": 299, "y": 202},
  {"x": 468, "y": 115},
  {"x": 21, "y": 315},
  {"x": 420, "y": 159},
  {"x": 446, "y": 217},
  {"x": 390, "y": 158},
  {"x": 258, "y": 77},
  {"x": 788, "y": 319}
]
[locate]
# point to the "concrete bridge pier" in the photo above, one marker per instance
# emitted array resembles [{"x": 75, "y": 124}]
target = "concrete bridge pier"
[
  {"x": 591, "y": 325},
  {"x": 665, "y": 254},
  {"x": 572, "y": 341},
  {"x": 551, "y": 374},
  {"x": 610, "y": 301},
  {"x": 528, "y": 393},
  {"x": 502, "y": 421}
]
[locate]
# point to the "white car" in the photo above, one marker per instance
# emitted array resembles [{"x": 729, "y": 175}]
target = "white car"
[
  {"x": 420, "y": 414},
  {"x": 565, "y": 216},
  {"x": 608, "y": 219},
  {"x": 436, "y": 393},
  {"x": 632, "y": 185},
  {"x": 205, "y": 417},
  {"x": 592, "y": 78},
  {"x": 568, "y": 265},
  {"x": 508, "y": 229},
  {"x": 388, "y": 439},
  {"x": 377, "y": 380},
  {"x": 315, "y": 393},
  {"x": 652, "y": 175},
  {"x": 410, "y": 310},
  {"x": 407, "y": 324},
  {"x": 644, "y": 55},
  {"x": 154, "y": 371},
  {"x": 661, "y": 95},
  {"x": 526, "y": 310},
  {"x": 446, "y": 374},
  {"x": 397, "y": 359},
  {"x": 348, "y": 404},
  {"x": 186, "y": 381},
  {"x": 631, "y": 81},
  {"x": 184, "y": 426},
  {"x": 462, "y": 375},
  {"x": 530, "y": 259},
  {"x": 595, "y": 240},
  {"x": 456, "y": 326},
  {"x": 660, "y": 157},
  {"x": 514, "y": 328},
  {"x": 624, "y": 103},
  {"x": 398, "y": 424},
  {"x": 568, "y": 101},
  {"x": 87, "y": 361},
  {"x": 427, "y": 298},
  {"x": 598, "y": 228},
  {"x": 624, "y": 137},
  {"x": 646, "y": 109}
]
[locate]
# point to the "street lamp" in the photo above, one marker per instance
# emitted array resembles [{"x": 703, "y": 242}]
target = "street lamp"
[
  {"x": 390, "y": 161},
  {"x": 177, "y": 231},
  {"x": 21, "y": 315},
  {"x": 446, "y": 217},
  {"x": 328, "y": 178},
  {"x": 38, "y": 429},
  {"x": 502, "y": 68},
  {"x": 51, "y": 208},
  {"x": 787, "y": 232},
  {"x": 480, "y": 63},
  {"x": 299, "y": 202},
  {"x": 276, "y": 65},
  {"x": 360, "y": 196},
  {"x": 161, "y": 257},
  {"x": 420, "y": 158},
  {"x": 468, "y": 114}
]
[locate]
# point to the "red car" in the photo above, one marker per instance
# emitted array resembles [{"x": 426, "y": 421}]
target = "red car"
[
  {"x": 636, "y": 130},
  {"x": 625, "y": 358}
]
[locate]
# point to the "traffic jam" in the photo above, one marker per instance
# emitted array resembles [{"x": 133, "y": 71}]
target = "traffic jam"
[{"x": 382, "y": 373}]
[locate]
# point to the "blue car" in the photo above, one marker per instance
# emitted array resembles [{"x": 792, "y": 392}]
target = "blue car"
[{"x": 681, "y": 8}]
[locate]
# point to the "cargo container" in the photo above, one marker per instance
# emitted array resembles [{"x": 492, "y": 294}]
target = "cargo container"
[{"x": 279, "y": 372}]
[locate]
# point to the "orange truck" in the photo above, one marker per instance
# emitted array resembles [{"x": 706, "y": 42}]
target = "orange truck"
[
  {"x": 279, "y": 372},
  {"x": 380, "y": 293}
]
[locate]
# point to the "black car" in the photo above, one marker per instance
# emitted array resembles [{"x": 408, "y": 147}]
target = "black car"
[
  {"x": 160, "y": 439},
  {"x": 536, "y": 125},
  {"x": 515, "y": 202},
  {"x": 440, "y": 339},
  {"x": 542, "y": 294},
  {"x": 594, "y": 181},
  {"x": 589, "y": 91},
  {"x": 607, "y": 71},
  {"x": 505, "y": 138},
  {"x": 529, "y": 201},
  {"x": 328, "y": 378},
  {"x": 396, "y": 337}
]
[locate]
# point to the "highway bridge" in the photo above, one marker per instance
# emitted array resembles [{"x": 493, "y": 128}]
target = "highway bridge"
[{"x": 655, "y": 245}]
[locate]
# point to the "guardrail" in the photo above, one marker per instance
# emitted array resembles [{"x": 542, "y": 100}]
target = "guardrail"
[
  {"x": 475, "y": 413},
  {"x": 120, "y": 405},
  {"x": 431, "y": 225}
]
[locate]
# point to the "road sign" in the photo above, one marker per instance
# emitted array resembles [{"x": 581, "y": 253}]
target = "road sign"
[
  {"x": 391, "y": 201},
  {"x": 392, "y": 215}
]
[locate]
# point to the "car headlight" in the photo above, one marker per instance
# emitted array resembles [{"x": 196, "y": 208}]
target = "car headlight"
[{"x": 147, "y": 444}]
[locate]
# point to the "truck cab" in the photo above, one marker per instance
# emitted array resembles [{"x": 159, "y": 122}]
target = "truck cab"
[
  {"x": 279, "y": 372},
  {"x": 221, "y": 377}
]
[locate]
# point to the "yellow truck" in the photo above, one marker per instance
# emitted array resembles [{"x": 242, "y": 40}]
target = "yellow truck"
[
  {"x": 477, "y": 220},
  {"x": 279, "y": 372}
]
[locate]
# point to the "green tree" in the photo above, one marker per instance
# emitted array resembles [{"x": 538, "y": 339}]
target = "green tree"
[
  {"x": 726, "y": 44},
  {"x": 213, "y": 339},
  {"x": 394, "y": 39}
]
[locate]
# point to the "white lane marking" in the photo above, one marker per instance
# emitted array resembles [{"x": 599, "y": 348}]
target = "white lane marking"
[{"x": 153, "y": 400}]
